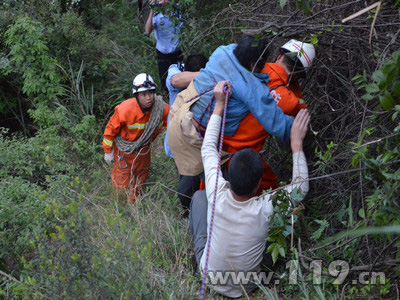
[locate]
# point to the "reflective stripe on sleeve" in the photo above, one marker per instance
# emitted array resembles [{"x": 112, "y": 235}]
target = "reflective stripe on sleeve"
[
  {"x": 107, "y": 142},
  {"x": 137, "y": 126}
]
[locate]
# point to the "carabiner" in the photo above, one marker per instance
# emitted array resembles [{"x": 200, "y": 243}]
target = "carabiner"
[{"x": 121, "y": 158}]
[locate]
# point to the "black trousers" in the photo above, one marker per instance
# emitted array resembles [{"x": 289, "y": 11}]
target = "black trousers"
[
  {"x": 164, "y": 61},
  {"x": 186, "y": 188}
]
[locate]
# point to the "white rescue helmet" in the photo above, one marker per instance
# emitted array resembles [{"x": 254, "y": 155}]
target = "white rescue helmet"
[
  {"x": 143, "y": 82},
  {"x": 305, "y": 51}
]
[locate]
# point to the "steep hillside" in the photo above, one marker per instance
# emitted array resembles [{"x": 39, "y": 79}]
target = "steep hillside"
[{"x": 64, "y": 233}]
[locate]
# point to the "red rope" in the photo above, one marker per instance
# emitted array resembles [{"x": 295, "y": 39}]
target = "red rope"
[
  {"x": 221, "y": 139},
  {"x": 206, "y": 109}
]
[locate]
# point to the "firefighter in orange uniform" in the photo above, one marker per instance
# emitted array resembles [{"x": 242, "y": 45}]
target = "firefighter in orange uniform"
[
  {"x": 283, "y": 82},
  {"x": 135, "y": 123}
]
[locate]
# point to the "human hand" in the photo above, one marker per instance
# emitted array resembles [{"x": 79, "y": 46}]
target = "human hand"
[
  {"x": 152, "y": 4},
  {"x": 299, "y": 130},
  {"x": 220, "y": 91},
  {"x": 109, "y": 158}
]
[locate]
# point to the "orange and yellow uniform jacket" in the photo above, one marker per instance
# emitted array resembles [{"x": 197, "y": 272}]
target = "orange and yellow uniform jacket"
[
  {"x": 251, "y": 134},
  {"x": 130, "y": 120}
]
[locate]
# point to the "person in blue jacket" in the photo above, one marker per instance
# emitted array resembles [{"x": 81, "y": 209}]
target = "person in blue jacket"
[
  {"x": 167, "y": 36},
  {"x": 179, "y": 77},
  {"x": 241, "y": 64}
]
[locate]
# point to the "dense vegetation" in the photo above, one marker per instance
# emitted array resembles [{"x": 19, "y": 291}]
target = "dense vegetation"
[{"x": 64, "y": 233}]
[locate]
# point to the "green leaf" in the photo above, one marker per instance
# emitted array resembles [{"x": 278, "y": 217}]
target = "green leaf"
[
  {"x": 275, "y": 254},
  {"x": 372, "y": 88},
  {"x": 379, "y": 76},
  {"x": 280, "y": 221},
  {"x": 314, "y": 39},
  {"x": 271, "y": 248},
  {"x": 394, "y": 116},
  {"x": 361, "y": 213},
  {"x": 367, "y": 97},
  {"x": 282, "y": 3},
  {"x": 281, "y": 241},
  {"x": 386, "y": 101},
  {"x": 288, "y": 230},
  {"x": 281, "y": 251},
  {"x": 296, "y": 194},
  {"x": 350, "y": 212},
  {"x": 396, "y": 88},
  {"x": 323, "y": 225}
]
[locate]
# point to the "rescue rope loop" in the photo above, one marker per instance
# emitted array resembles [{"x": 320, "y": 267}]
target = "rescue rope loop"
[
  {"x": 203, "y": 92},
  {"x": 221, "y": 139},
  {"x": 206, "y": 109},
  {"x": 154, "y": 122},
  {"x": 208, "y": 106}
]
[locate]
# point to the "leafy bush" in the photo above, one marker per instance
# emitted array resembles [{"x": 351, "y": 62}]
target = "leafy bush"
[
  {"x": 22, "y": 218},
  {"x": 101, "y": 248},
  {"x": 29, "y": 53},
  {"x": 386, "y": 84},
  {"x": 379, "y": 155},
  {"x": 283, "y": 222},
  {"x": 71, "y": 62}
]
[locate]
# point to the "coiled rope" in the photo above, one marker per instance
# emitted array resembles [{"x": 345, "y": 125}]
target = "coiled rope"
[
  {"x": 221, "y": 139},
  {"x": 154, "y": 122}
]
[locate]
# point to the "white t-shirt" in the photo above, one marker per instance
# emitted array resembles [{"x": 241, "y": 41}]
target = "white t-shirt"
[{"x": 240, "y": 228}]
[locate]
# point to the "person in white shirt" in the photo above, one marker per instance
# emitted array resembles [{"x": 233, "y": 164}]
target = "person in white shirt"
[{"x": 241, "y": 219}]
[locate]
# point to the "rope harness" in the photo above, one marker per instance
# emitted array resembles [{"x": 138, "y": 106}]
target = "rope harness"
[
  {"x": 221, "y": 139},
  {"x": 127, "y": 147}
]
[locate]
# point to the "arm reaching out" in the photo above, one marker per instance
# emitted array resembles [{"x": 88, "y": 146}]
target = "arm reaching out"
[
  {"x": 299, "y": 130},
  {"x": 183, "y": 79},
  {"x": 220, "y": 95},
  {"x": 300, "y": 169},
  {"x": 209, "y": 149}
]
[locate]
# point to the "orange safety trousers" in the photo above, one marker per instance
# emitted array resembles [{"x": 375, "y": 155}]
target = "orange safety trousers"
[{"x": 130, "y": 172}]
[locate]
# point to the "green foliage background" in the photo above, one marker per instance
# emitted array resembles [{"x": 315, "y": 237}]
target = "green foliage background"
[{"x": 64, "y": 233}]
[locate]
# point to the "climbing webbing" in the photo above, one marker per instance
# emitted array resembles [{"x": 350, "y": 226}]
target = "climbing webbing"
[
  {"x": 221, "y": 139},
  {"x": 154, "y": 122}
]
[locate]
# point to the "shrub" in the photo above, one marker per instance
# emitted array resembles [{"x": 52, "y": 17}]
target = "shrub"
[{"x": 22, "y": 218}]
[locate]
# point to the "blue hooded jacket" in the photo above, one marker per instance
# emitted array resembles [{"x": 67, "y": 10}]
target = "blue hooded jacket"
[{"x": 250, "y": 93}]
